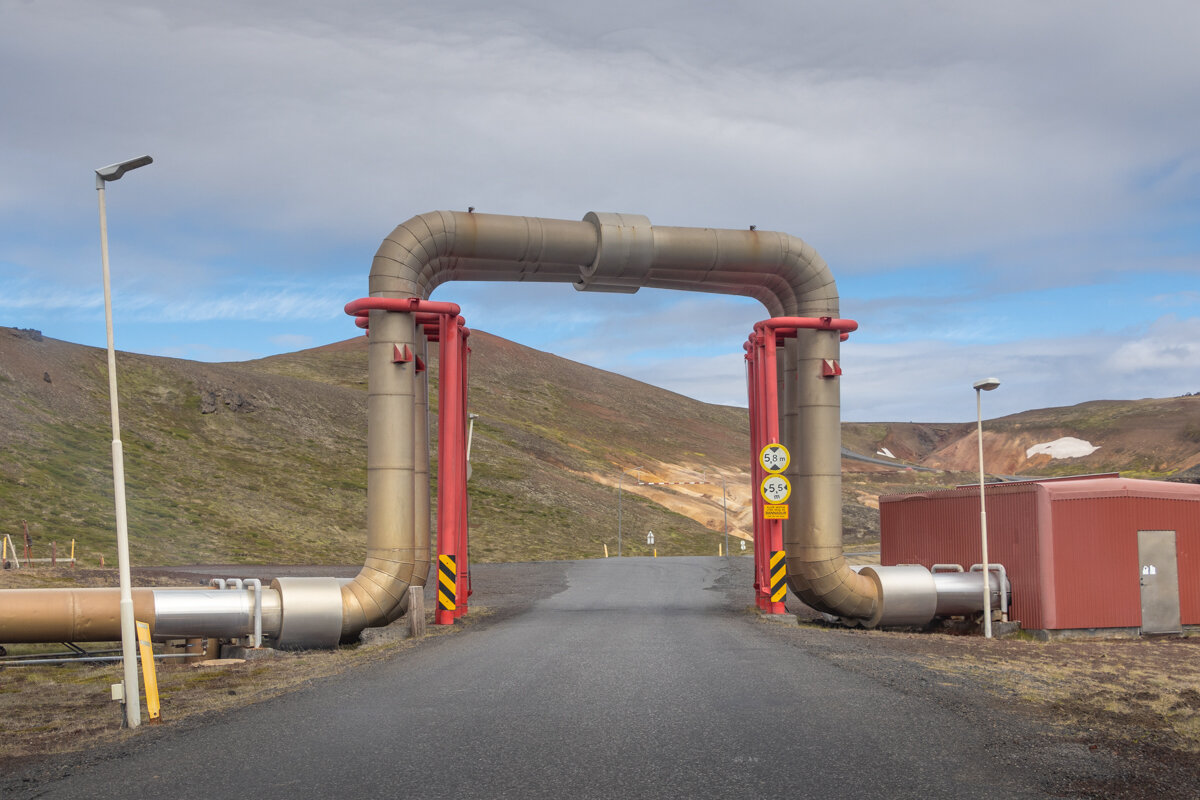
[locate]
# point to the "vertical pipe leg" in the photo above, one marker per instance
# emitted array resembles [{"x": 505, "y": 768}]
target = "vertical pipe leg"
[{"x": 421, "y": 504}]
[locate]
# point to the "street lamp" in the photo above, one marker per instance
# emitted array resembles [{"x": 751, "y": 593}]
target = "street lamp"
[
  {"x": 985, "y": 385},
  {"x": 133, "y": 703},
  {"x": 470, "y": 434},
  {"x": 620, "y": 485}
]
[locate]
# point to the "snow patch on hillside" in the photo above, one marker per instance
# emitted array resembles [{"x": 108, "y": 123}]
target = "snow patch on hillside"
[{"x": 1066, "y": 447}]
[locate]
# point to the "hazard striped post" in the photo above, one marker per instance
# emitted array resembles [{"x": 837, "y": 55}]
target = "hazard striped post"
[
  {"x": 778, "y": 583},
  {"x": 447, "y": 590}
]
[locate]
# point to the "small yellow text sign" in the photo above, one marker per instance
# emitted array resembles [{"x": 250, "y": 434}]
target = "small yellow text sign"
[{"x": 775, "y": 512}]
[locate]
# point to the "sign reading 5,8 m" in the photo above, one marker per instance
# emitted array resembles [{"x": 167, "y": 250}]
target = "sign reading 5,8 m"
[
  {"x": 774, "y": 458},
  {"x": 775, "y": 489}
]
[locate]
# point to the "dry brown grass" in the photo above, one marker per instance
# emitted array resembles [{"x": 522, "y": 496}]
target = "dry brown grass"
[
  {"x": 1142, "y": 691},
  {"x": 59, "y": 709}
]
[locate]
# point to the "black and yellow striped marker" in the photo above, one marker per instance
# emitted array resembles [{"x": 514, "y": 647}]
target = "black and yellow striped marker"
[
  {"x": 447, "y": 583},
  {"x": 778, "y": 576}
]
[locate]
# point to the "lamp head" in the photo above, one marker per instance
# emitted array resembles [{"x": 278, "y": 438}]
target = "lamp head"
[
  {"x": 113, "y": 172},
  {"x": 987, "y": 384}
]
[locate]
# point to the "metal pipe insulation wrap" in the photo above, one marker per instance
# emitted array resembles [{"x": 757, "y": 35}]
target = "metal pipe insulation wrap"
[
  {"x": 216, "y": 613},
  {"x": 961, "y": 593},
  {"x": 907, "y": 596},
  {"x": 911, "y": 595}
]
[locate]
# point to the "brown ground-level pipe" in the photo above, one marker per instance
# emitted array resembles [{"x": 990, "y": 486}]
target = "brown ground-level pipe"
[{"x": 68, "y": 615}]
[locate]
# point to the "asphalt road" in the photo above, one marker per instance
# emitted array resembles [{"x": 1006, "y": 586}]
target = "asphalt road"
[{"x": 644, "y": 678}]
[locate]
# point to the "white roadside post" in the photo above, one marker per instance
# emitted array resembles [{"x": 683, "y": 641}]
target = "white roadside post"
[
  {"x": 985, "y": 385},
  {"x": 131, "y": 693}
]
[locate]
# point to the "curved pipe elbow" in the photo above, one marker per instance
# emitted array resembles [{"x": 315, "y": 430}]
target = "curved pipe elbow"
[{"x": 830, "y": 586}]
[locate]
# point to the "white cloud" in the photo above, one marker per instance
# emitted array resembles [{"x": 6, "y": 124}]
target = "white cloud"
[
  {"x": 977, "y": 158},
  {"x": 1171, "y": 345}
]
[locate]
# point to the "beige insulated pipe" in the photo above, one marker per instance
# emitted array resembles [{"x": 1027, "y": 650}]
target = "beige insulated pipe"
[
  {"x": 68, "y": 615},
  {"x": 610, "y": 252}
]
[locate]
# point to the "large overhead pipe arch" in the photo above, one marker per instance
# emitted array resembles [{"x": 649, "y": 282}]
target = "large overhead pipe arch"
[
  {"x": 602, "y": 252},
  {"x": 623, "y": 253}
]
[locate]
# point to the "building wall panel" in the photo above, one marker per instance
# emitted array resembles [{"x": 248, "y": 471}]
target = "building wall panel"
[
  {"x": 943, "y": 528},
  {"x": 1075, "y": 565}
]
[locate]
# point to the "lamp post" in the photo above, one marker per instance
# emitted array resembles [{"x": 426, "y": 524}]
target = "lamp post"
[
  {"x": 985, "y": 385},
  {"x": 620, "y": 486},
  {"x": 470, "y": 434},
  {"x": 133, "y": 703}
]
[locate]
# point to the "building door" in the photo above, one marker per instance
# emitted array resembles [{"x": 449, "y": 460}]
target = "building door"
[{"x": 1160, "y": 582}]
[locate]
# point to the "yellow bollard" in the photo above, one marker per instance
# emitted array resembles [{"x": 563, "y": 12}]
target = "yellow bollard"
[
  {"x": 718, "y": 548},
  {"x": 656, "y": 552},
  {"x": 149, "y": 676},
  {"x": 606, "y": 551}
]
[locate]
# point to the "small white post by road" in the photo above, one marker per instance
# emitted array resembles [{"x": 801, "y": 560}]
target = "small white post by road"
[
  {"x": 985, "y": 385},
  {"x": 132, "y": 696}
]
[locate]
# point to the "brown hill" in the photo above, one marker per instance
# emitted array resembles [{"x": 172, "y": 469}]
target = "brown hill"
[
  {"x": 265, "y": 460},
  {"x": 1152, "y": 438}
]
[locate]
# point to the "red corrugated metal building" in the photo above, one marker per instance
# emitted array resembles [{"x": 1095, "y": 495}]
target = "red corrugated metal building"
[{"x": 1081, "y": 553}]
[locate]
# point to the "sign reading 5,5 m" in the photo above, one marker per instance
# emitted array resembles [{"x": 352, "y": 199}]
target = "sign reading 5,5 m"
[
  {"x": 774, "y": 458},
  {"x": 775, "y": 489}
]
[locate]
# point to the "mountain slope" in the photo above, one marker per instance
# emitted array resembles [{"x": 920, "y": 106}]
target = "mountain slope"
[
  {"x": 1151, "y": 438},
  {"x": 264, "y": 461}
]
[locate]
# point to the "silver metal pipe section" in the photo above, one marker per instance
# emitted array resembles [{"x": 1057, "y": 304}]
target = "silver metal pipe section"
[
  {"x": 999, "y": 570},
  {"x": 912, "y": 596},
  {"x": 216, "y": 613},
  {"x": 960, "y": 594}
]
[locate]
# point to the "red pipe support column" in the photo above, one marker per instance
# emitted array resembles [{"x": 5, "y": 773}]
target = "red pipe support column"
[
  {"x": 773, "y": 527},
  {"x": 449, "y": 399},
  {"x": 464, "y": 565},
  {"x": 764, "y": 387}
]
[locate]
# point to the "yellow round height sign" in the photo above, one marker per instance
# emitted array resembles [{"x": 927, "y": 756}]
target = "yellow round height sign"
[
  {"x": 775, "y": 489},
  {"x": 774, "y": 458}
]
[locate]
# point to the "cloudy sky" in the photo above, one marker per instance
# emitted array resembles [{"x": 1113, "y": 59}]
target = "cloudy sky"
[{"x": 1008, "y": 189}]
